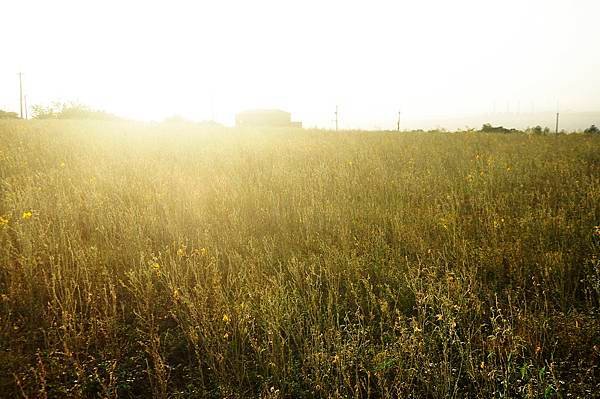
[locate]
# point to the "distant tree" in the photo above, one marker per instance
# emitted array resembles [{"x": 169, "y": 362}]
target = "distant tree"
[
  {"x": 45, "y": 112},
  {"x": 487, "y": 128},
  {"x": 537, "y": 130},
  {"x": 69, "y": 111},
  {"x": 8, "y": 115},
  {"x": 592, "y": 130}
]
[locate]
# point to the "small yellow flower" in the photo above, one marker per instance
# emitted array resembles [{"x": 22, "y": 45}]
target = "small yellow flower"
[
  {"x": 226, "y": 318},
  {"x": 439, "y": 317},
  {"x": 155, "y": 266},
  {"x": 27, "y": 215},
  {"x": 62, "y": 164},
  {"x": 384, "y": 307},
  {"x": 3, "y": 221}
]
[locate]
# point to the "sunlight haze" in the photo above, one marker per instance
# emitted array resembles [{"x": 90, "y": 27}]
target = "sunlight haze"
[{"x": 208, "y": 60}]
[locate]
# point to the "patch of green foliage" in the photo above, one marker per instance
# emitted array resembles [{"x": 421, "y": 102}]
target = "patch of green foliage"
[
  {"x": 487, "y": 128},
  {"x": 592, "y": 130}
]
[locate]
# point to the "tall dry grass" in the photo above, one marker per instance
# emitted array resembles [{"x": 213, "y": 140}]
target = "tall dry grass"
[{"x": 170, "y": 261}]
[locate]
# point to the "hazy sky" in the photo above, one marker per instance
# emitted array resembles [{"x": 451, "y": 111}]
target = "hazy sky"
[{"x": 152, "y": 59}]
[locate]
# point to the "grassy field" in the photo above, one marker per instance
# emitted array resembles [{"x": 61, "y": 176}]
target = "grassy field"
[{"x": 170, "y": 261}]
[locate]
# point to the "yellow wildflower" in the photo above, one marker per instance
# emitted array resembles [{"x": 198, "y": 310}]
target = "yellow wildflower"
[
  {"x": 155, "y": 266},
  {"x": 226, "y": 318},
  {"x": 384, "y": 306},
  {"x": 3, "y": 221},
  {"x": 27, "y": 215},
  {"x": 199, "y": 251}
]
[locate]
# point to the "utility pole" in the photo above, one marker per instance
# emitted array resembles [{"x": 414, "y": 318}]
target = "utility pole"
[
  {"x": 336, "y": 118},
  {"x": 557, "y": 114},
  {"x": 399, "y": 114},
  {"x": 26, "y": 115},
  {"x": 21, "y": 93}
]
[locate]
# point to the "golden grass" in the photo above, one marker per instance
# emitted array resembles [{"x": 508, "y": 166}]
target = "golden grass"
[{"x": 170, "y": 261}]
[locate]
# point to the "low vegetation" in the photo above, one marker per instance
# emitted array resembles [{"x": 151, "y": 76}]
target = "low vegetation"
[
  {"x": 73, "y": 111},
  {"x": 8, "y": 115},
  {"x": 170, "y": 261}
]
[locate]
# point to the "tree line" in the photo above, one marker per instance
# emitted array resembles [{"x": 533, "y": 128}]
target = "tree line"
[{"x": 66, "y": 110}]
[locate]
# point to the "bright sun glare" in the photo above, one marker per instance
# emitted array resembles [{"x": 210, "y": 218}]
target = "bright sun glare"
[{"x": 208, "y": 60}]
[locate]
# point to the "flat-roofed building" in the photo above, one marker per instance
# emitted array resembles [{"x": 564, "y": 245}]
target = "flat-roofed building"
[{"x": 265, "y": 118}]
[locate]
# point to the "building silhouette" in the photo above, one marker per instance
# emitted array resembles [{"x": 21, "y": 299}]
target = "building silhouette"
[{"x": 265, "y": 118}]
